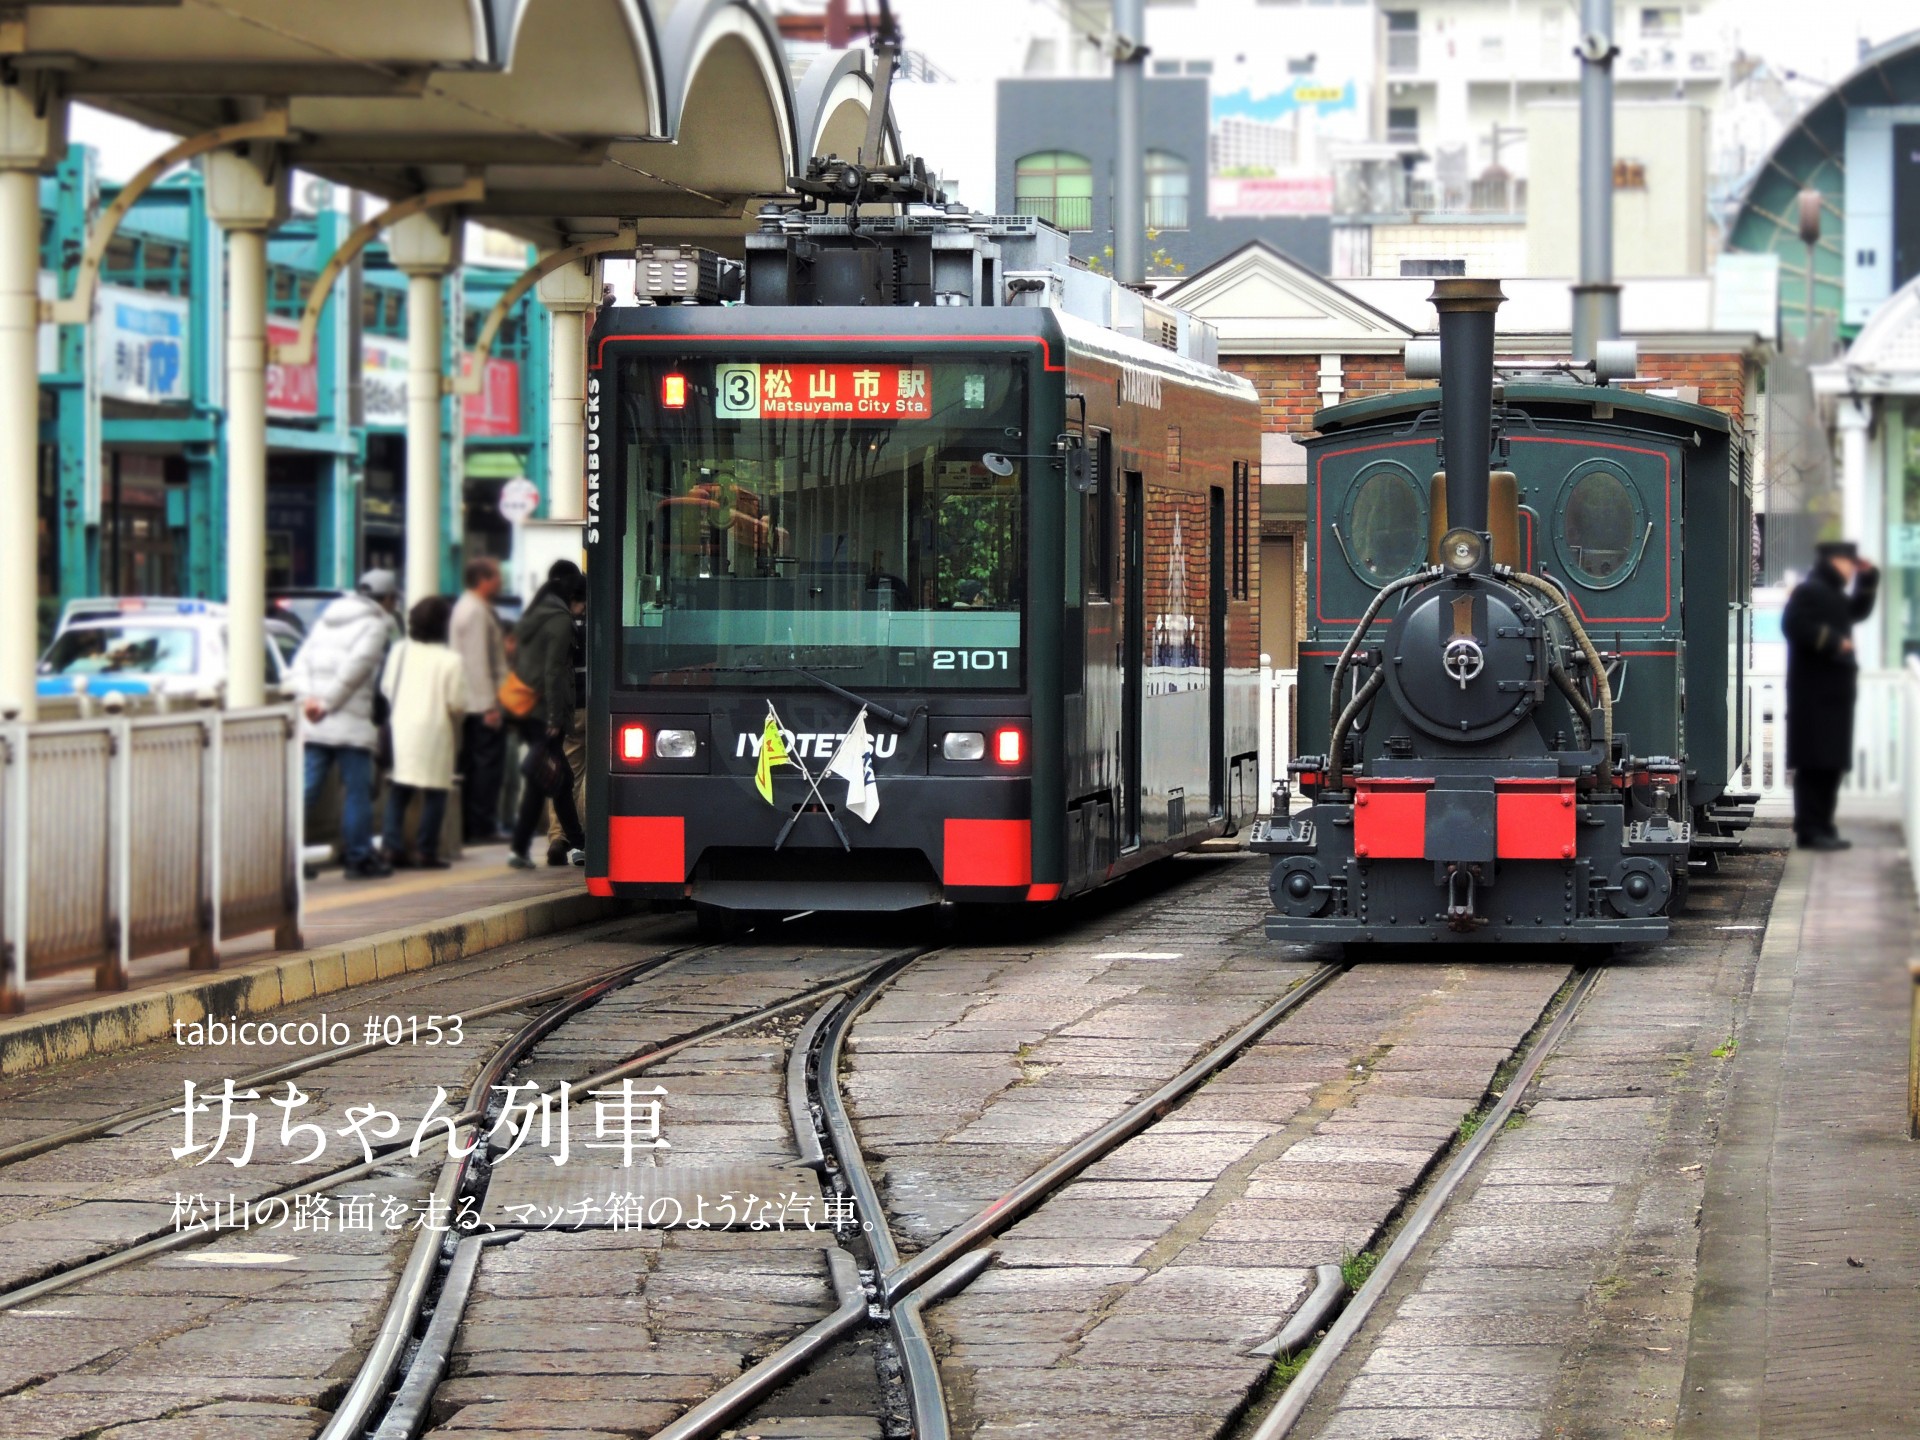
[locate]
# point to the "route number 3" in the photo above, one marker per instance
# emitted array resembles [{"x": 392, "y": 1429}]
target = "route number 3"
[{"x": 739, "y": 391}]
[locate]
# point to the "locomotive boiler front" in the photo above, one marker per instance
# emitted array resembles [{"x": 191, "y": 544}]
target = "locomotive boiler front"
[{"x": 1467, "y": 659}]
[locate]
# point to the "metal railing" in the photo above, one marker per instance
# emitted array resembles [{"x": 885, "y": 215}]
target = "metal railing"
[
  {"x": 1166, "y": 212},
  {"x": 1069, "y": 212},
  {"x": 122, "y": 837}
]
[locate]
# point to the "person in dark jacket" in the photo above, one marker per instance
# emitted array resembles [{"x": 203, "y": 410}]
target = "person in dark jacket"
[
  {"x": 1822, "y": 685},
  {"x": 543, "y": 659}
]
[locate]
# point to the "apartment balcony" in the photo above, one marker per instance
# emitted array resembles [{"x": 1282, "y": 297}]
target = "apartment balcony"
[
  {"x": 1167, "y": 212},
  {"x": 1378, "y": 189},
  {"x": 1069, "y": 212}
]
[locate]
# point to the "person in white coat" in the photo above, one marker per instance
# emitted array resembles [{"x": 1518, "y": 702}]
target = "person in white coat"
[
  {"x": 335, "y": 676},
  {"x": 426, "y": 689}
]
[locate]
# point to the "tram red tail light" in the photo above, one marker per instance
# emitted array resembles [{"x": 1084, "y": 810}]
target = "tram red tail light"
[
  {"x": 633, "y": 743},
  {"x": 1009, "y": 746},
  {"x": 673, "y": 392}
]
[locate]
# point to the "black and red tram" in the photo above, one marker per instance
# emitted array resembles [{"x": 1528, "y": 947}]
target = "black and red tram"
[{"x": 912, "y": 581}]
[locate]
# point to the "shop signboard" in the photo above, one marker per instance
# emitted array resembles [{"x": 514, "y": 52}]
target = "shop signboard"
[
  {"x": 383, "y": 380},
  {"x": 141, "y": 349},
  {"x": 293, "y": 391},
  {"x": 495, "y": 411},
  {"x": 1270, "y": 195}
]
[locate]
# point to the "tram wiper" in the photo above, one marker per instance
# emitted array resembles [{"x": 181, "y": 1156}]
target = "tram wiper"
[{"x": 878, "y": 711}]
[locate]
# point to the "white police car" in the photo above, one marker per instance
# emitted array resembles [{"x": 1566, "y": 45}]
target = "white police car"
[{"x": 138, "y": 645}]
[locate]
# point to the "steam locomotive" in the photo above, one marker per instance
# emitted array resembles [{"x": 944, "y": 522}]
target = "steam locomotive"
[{"x": 1516, "y": 679}]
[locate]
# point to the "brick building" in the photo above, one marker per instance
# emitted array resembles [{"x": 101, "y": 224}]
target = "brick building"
[{"x": 1307, "y": 342}]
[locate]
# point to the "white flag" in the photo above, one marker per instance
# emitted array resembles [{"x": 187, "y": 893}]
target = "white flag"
[{"x": 853, "y": 764}]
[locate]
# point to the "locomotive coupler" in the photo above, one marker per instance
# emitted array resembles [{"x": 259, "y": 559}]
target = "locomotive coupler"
[{"x": 1461, "y": 897}]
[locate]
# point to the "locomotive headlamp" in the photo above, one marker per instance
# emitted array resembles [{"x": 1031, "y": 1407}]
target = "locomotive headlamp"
[{"x": 1460, "y": 551}]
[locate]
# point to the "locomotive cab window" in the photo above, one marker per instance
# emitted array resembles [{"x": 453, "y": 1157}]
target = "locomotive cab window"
[
  {"x": 1601, "y": 525},
  {"x": 1386, "y": 529},
  {"x": 839, "y": 518}
]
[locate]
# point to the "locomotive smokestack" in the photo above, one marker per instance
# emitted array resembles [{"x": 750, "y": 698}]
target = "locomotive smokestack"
[
  {"x": 1596, "y": 299},
  {"x": 1466, "y": 395}
]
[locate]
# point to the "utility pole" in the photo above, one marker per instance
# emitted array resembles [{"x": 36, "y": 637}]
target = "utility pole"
[
  {"x": 1129, "y": 157},
  {"x": 1596, "y": 299}
]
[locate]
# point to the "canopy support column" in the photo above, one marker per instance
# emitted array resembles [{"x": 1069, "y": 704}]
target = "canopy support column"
[
  {"x": 246, "y": 196},
  {"x": 32, "y": 134},
  {"x": 425, "y": 248},
  {"x": 570, "y": 292}
]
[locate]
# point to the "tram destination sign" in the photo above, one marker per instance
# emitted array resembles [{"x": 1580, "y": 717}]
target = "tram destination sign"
[{"x": 818, "y": 392}]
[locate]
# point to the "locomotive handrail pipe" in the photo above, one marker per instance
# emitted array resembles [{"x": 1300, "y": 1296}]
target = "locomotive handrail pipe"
[{"x": 1600, "y": 680}]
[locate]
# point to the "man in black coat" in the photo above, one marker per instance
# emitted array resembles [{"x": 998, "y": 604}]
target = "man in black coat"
[{"x": 1823, "y": 683}]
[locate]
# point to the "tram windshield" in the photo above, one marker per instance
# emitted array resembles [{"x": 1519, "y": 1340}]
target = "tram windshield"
[{"x": 838, "y": 518}]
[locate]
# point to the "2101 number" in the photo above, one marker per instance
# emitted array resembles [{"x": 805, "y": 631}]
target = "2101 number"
[{"x": 973, "y": 659}]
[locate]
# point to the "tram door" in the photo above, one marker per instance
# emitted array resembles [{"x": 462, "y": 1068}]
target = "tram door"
[
  {"x": 1217, "y": 650},
  {"x": 1133, "y": 643}
]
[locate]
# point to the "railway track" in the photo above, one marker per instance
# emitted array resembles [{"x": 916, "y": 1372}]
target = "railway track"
[
  {"x": 1281, "y": 1421},
  {"x": 432, "y": 1311},
  {"x": 901, "y": 1287},
  {"x": 564, "y": 1000},
  {"x": 881, "y": 1287}
]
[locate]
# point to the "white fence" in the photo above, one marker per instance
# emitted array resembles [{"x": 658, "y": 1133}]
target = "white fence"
[
  {"x": 1910, "y": 751},
  {"x": 1881, "y": 744},
  {"x": 122, "y": 837},
  {"x": 1278, "y": 689},
  {"x": 1886, "y": 760}
]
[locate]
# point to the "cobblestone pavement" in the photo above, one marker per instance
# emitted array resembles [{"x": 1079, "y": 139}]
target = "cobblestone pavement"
[{"x": 1553, "y": 1297}]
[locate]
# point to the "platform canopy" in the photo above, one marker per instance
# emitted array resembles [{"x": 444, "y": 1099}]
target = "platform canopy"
[{"x": 577, "y": 114}]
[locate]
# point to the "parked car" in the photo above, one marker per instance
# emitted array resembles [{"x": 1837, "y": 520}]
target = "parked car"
[
  {"x": 300, "y": 608},
  {"x": 137, "y": 645}
]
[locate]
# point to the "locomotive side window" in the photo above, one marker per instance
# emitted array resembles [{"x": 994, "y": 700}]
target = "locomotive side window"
[
  {"x": 1387, "y": 525},
  {"x": 1600, "y": 525}
]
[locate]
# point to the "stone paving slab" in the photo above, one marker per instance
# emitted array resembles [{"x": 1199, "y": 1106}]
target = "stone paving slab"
[{"x": 1808, "y": 1318}]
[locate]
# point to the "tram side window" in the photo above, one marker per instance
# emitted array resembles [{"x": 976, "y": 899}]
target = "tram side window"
[{"x": 1097, "y": 548}]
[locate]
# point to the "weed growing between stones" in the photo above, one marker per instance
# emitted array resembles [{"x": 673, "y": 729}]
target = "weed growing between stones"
[
  {"x": 1286, "y": 1367},
  {"x": 1354, "y": 1269}
]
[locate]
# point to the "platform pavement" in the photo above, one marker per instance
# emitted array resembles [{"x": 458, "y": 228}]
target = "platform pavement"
[
  {"x": 1806, "y": 1319},
  {"x": 354, "y": 931}
]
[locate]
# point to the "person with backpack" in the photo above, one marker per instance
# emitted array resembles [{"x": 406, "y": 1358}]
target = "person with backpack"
[
  {"x": 538, "y": 693},
  {"x": 426, "y": 689}
]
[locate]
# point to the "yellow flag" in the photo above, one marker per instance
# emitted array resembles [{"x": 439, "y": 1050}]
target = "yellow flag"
[{"x": 773, "y": 751}]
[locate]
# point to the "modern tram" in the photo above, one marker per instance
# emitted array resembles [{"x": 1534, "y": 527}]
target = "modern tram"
[{"x": 923, "y": 569}]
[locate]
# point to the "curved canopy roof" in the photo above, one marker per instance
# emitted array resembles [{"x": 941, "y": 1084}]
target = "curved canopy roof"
[
  {"x": 1812, "y": 155},
  {"x": 578, "y": 114}
]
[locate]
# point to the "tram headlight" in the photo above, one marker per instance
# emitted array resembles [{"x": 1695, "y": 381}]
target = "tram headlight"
[
  {"x": 963, "y": 745},
  {"x": 1461, "y": 550},
  {"x": 676, "y": 744}
]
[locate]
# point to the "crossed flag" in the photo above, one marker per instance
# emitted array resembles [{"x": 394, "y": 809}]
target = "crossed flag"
[{"x": 851, "y": 762}]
